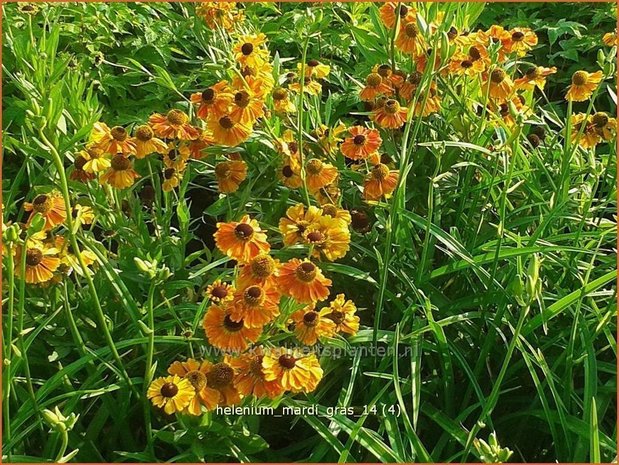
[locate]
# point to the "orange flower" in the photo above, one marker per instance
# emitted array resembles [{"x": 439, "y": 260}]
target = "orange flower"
[
  {"x": 230, "y": 174},
  {"x": 309, "y": 325},
  {"x": 221, "y": 378},
  {"x": 242, "y": 240},
  {"x": 409, "y": 38},
  {"x": 176, "y": 155},
  {"x": 256, "y": 305},
  {"x": 342, "y": 313},
  {"x": 175, "y": 125},
  {"x": 319, "y": 174},
  {"x": 375, "y": 85},
  {"x": 583, "y": 85},
  {"x": 610, "y": 39},
  {"x": 225, "y": 333},
  {"x": 289, "y": 173},
  {"x": 409, "y": 87},
  {"x": 281, "y": 101},
  {"x": 329, "y": 238},
  {"x": 462, "y": 65},
  {"x": 261, "y": 270},
  {"x": 583, "y": 131},
  {"x": 78, "y": 173},
  {"x": 219, "y": 292},
  {"x": 388, "y": 13},
  {"x": 250, "y": 51},
  {"x": 249, "y": 376},
  {"x": 120, "y": 174},
  {"x": 113, "y": 141},
  {"x": 226, "y": 131},
  {"x": 534, "y": 76},
  {"x": 41, "y": 262},
  {"x": 522, "y": 39},
  {"x": 380, "y": 182},
  {"x": 336, "y": 213},
  {"x": 196, "y": 147},
  {"x": 247, "y": 107},
  {"x": 51, "y": 206},
  {"x": 501, "y": 86},
  {"x": 390, "y": 115},
  {"x": 171, "y": 179},
  {"x": 213, "y": 101},
  {"x": 362, "y": 143},
  {"x": 294, "y": 370},
  {"x": 146, "y": 143},
  {"x": 297, "y": 220},
  {"x": 303, "y": 281},
  {"x": 315, "y": 69},
  {"x": 196, "y": 373}
]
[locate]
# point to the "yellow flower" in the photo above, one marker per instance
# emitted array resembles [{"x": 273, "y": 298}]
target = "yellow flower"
[
  {"x": 226, "y": 131},
  {"x": 171, "y": 393},
  {"x": 583, "y": 85},
  {"x": 328, "y": 237},
  {"x": 342, "y": 313},
  {"x": 296, "y": 222},
  {"x": 120, "y": 173},
  {"x": 310, "y": 325},
  {"x": 250, "y": 51},
  {"x": 146, "y": 142},
  {"x": 294, "y": 371},
  {"x": 41, "y": 262},
  {"x": 197, "y": 374}
]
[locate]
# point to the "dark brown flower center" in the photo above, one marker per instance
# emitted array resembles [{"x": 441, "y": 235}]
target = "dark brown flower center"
[
  {"x": 411, "y": 30},
  {"x": 293, "y": 147},
  {"x": 310, "y": 318},
  {"x": 403, "y": 11},
  {"x": 314, "y": 166},
  {"x": 226, "y": 123},
  {"x": 255, "y": 366},
  {"x": 262, "y": 267},
  {"x": 144, "y": 133},
  {"x": 359, "y": 139},
  {"x": 280, "y": 94},
  {"x": 176, "y": 117},
  {"x": 580, "y": 78},
  {"x": 247, "y": 48},
  {"x": 119, "y": 133},
  {"x": 33, "y": 257},
  {"x": 497, "y": 76},
  {"x": 120, "y": 163},
  {"x": 452, "y": 33},
  {"x": 208, "y": 95},
  {"x": 197, "y": 379},
  {"x": 600, "y": 119},
  {"x": 219, "y": 292},
  {"x": 243, "y": 231},
  {"x": 169, "y": 390},
  {"x": 287, "y": 361},
  {"x": 306, "y": 272},
  {"x": 222, "y": 170},
  {"x": 242, "y": 99},
  {"x": 373, "y": 80},
  {"x": 169, "y": 173},
  {"x": 415, "y": 78},
  {"x": 392, "y": 106},
  {"x": 533, "y": 72},
  {"x": 517, "y": 36},
  {"x": 466, "y": 64},
  {"x": 380, "y": 171},
  {"x": 232, "y": 326},
  {"x": 534, "y": 140},
  {"x": 42, "y": 203},
  {"x": 474, "y": 53},
  {"x": 315, "y": 237},
  {"x": 312, "y": 63},
  {"x": 220, "y": 376},
  {"x": 384, "y": 70},
  {"x": 336, "y": 316},
  {"x": 79, "y": 162},
  {"x": 287, "y": 171},
  {"x": 253, "y": 295}
]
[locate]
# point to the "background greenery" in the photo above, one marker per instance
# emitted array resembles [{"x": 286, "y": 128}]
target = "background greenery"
[{"x": 447, "y": 288}]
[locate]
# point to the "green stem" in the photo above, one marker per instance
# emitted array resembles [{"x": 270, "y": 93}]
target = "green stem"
[
  {"x": 300, "y": 115},
  {"x": 63, "y": 448},
  {"x": 86, "y": 273},
  {"x": 8, "y": 350},
  {"x": 149, "y": 363}
]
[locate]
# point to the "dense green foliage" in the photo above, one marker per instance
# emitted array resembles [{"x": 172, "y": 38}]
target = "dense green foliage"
[{"x": 489, "y": 278}]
